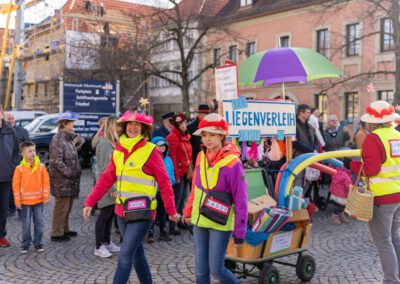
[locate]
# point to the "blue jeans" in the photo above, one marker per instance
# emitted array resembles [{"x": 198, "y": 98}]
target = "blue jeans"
[
  {"x": 28, "y": 213},
  {"x": 132, "y": 252},
  {"x": 210, "y": 249}
]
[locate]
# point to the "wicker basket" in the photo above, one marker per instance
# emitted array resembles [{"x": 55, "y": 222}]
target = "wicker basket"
[{"x": 360, "y": 202}]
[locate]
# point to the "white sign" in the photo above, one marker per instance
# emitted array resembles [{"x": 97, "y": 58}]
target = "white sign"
[
  {"x": 226, "y": 82},
  {"x": 270, "y": 118},
  {"x": 281, "y": 242}
]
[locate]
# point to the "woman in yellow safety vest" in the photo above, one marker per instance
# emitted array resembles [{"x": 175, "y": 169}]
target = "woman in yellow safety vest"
[
  {"x": 381, "y": 163},
  {"x": 218, "y": 201},
  {"x": 135, "y": 168}
]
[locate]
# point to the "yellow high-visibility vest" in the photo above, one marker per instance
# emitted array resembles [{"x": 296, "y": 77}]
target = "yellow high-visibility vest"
[
  {"x": 132, "y": 181},
  {"x": 387, "y": 181}
]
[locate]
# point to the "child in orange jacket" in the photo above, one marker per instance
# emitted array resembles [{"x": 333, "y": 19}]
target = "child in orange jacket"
[{"x": 31, "y": 189}]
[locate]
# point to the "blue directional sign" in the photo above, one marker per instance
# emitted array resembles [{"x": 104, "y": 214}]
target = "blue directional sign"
[{"x": 91, "y": 100}]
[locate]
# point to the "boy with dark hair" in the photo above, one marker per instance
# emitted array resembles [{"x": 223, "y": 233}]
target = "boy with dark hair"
[{"x": 31, "y": 189}]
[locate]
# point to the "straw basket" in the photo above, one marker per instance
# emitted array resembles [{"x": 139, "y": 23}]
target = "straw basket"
[{"x": 360, "y": 202}]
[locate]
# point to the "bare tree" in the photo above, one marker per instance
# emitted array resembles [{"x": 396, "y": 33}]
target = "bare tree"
[
  {"x": 186, "y": 28},
  {"x": 373, "y": 12}
]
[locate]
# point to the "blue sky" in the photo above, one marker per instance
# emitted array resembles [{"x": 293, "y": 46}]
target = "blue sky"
[{"x": 42, "y": 10}]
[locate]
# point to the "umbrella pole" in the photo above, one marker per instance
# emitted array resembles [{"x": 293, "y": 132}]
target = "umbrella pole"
[
  {"x": 283, "y": 91},
  {"x": 288, "y": 140}
]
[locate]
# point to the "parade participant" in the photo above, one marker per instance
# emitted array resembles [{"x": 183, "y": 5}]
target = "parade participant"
[
  {"x": 136, "y": 165},
  {"x": 162, "y": 145},
  {"x": 195, "y": 140},
  {"x": 219, "y": 174},
  {"x": 165, "y": 129},
  {"x": 65, "y": 173},
  {"x": 335, "y": 136},
  {"x": 180, "y": 152},
  {"x": 339, "y": 189},
  {"x": 9, "y": 158},
  {"x": 104, "y": 148},
  {"x": 31, "y": 187},
  {"x": 381, "y": 163}
]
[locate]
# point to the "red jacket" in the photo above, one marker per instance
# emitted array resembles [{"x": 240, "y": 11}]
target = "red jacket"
[
  {"x": 176, "y": 145},
  {"x": 154, "y": 167},
  {"x": 373, "y": 156}
]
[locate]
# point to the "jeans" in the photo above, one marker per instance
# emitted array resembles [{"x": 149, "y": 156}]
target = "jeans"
[
  {"x": 27, "y": 213},
  {"x": 210, "y": 249},
  {"x": 103, "y": 225},
  {"x": 132, "y": 252},
  {"x": 4, "y": 199},
  {"x": 385, "y": 231}
]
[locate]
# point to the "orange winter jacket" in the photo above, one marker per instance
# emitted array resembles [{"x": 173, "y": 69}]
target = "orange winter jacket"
[{"x": 31, "y": 185}]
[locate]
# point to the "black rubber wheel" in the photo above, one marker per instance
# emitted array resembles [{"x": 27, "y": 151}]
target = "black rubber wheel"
[
  {"x": 230, "y": 265},
  {"x": 269, "y": 275},
  {"x": 305, "y": 268}
]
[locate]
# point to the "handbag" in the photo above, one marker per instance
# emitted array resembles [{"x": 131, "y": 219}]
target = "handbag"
[
  {"x": 217, "y": 205},
  {"x": 360, "y": 202},
  {"x": 189, "y": 173},
  {"x": 137, "y": 208}
]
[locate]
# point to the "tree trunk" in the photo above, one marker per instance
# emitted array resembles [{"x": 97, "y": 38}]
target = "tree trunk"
[{"x": 185, "y": 97}]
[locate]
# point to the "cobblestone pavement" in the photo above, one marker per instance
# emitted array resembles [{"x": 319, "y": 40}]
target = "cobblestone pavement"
[{"x": 344, "y": 254}]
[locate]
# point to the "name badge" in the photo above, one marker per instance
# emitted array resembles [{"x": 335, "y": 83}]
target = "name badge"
[
  {"x": 217, "y": 206},
  {"x": 137, "y": 204},
  {"x": 394, "y": 147}
]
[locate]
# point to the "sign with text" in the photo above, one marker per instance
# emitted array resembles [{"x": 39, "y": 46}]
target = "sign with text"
[
  {"x": 91, "y": 100},
  {"x": 226, "y": 83},
  {"x": 269, "y": 118}
]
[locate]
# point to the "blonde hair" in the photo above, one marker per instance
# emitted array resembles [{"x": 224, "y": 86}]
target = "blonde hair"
[
  {"x": 110, "y": 130},
  {"x": 374, "y": 126}
]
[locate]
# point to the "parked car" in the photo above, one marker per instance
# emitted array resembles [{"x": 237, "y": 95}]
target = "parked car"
[
  {"x": 42, "y": 124},
  {"x": 43, "y": 140},
  {"x": 24, "y": 117}
]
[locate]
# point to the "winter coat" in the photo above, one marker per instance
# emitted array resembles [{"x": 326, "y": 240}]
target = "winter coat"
[
  {"x": 64, "y": 166},
  {"x": 169, "y": 165},
  {"x": 31, "y": 185},
  {"x": 153, "y": 166},
  {"x": 9, "y": 151},
  {"x": 360, "y": 136},
  {"x": 162, "y": 131},
  {"x": 177, "y": 143},
  {"x": 195, "y": 140},
  {"x": 337, "y": 142},
  {"x": 306, "y": 140},
  {"x": 231, "y": 179},
  {"x": 340, "y": 183},
  {"x": 104, "y": 151}
]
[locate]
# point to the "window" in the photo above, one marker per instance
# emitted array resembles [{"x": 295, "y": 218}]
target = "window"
[
  {"x": 386, "y": 95},
  {"x": 321, "y": 103},
  {"x": 250, "y": 48},
  {"x": 387, "y": 35},
  {"x": 48, "y": 125},
  {"x": 245, "y": 2},
  {"x": 217, "y": 56},
  {"x": 322, "y": 42},
  {"x": 353, "y": 39},
  {"x": 109, "y": 41},
  {"x": 284, "y": 41},
  {"x": 351, "y": 107},
  {"x": 233, "y": 53}
]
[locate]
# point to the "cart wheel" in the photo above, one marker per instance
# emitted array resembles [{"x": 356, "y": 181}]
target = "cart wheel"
[
  {"x": 305, "y": 267},
  {"x": 269, "y": 275},
  {"x": 230, "y": 264}
]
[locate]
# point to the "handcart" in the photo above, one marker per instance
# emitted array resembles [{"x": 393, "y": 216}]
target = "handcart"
[{"x": 250, "y": 261}]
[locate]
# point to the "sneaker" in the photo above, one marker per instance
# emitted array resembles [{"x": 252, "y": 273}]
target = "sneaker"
[
  {"x": 63, "y": 238},
  {"x": 39, "y": 248},
  {"x": 112, "y": 247},
  {"x": 165, "y": 237},
  {"x": 102, "y": 252},
  {"x": 24, "y": 251},
  {"x": 71, "y": 234},
  {"x": 4, "y": 242}
]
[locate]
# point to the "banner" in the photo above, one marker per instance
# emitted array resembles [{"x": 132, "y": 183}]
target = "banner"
[{"x": 256, "y": 119}]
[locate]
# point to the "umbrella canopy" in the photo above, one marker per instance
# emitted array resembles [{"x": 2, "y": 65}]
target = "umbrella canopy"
[{"x": 285, "y": 65}]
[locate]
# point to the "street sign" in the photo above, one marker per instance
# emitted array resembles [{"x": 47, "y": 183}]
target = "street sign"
[{"x": 91, "y": 100}]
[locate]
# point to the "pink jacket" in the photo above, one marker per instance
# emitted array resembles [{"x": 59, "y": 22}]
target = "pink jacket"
[{"x": 340, "y": 183}]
